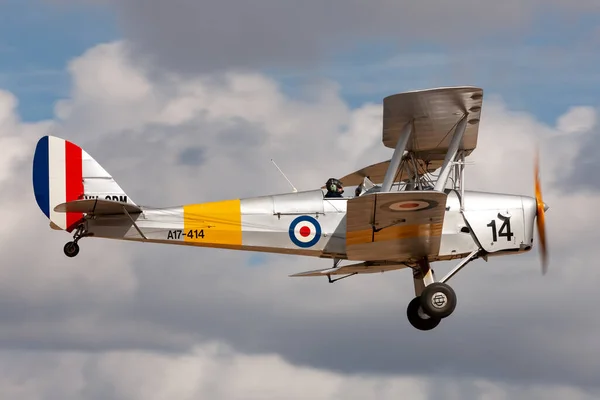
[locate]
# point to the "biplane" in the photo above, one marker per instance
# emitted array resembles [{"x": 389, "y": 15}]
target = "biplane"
[{"x": 403, "y": 214}]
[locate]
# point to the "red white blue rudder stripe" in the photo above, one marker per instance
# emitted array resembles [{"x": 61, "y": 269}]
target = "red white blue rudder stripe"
[
  {"x": 57, "y": 178},
  {"x": 64, "y": 172}
]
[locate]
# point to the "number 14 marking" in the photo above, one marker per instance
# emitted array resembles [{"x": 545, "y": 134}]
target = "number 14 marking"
[{"x": 504, "y": 229}]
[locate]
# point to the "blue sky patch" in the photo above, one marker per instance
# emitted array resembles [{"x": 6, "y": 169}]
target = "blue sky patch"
[
  {"x": 37, "y": 40},
  {"x": 544, "y": 71}
]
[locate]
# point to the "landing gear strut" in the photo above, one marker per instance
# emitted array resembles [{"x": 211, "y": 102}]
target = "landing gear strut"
[
  {"x": 434, "y": 301},
  {"x": 71, "y": 249}
]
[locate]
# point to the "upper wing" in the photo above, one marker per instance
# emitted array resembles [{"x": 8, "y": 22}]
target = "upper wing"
[
  {"x": 395, "y": 226},
  {"x": 97, "y": 207},
  {"x": 435, "y": 113}
]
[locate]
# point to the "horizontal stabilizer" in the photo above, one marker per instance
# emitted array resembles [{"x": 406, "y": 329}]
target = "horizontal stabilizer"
[
  {"x": 359, "y": 268},
  {"x": 97, "y": 207},
  {"x": 55, "y": 227}
]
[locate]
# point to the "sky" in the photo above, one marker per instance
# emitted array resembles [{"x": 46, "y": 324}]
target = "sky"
[{"x": 186, "y": 102}]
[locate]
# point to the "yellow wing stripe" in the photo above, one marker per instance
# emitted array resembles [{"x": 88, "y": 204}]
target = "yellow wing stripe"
[{"x": 217, "y": 222}]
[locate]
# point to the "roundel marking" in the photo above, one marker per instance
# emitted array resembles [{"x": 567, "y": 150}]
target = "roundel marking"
[
  {"x": 410, "y": 205},
  {"x": 305, "y": 231}
]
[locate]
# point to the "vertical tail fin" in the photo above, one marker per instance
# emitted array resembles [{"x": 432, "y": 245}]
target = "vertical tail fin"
[{"x": 63, "y": 172}]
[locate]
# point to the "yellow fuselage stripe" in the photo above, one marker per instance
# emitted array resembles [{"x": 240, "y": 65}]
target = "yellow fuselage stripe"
[{"x": 216, "y": 223}]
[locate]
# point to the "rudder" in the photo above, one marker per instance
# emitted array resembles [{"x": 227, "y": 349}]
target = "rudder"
[{"x": 63, "y": 172}]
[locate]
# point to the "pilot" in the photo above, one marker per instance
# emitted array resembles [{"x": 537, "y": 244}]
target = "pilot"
[
  {"x": 334, "y": 188},
  {"x": 358, "y": 190}
]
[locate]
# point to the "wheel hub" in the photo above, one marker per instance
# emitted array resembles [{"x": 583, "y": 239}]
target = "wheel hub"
[{"x": 439, "y": 300}]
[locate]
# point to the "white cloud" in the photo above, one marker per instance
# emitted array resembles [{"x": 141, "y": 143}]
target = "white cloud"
[
  {"x": 34, "y": 270},
  {"x": 14, "y": 135},
  {"x": 577, "y": 120},
  {"x": 108, "y": 93},
  {"x": 216, "y": 372},
  {"x": 125, "y": 295}
]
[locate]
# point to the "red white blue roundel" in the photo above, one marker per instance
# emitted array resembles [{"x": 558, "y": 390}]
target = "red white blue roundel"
[
  {"x": 410, "y": 205},
  {"x": 305, "y": 231}
]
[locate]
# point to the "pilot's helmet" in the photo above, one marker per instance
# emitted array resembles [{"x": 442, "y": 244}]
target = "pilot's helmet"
[{"x": 334, "y": 185}]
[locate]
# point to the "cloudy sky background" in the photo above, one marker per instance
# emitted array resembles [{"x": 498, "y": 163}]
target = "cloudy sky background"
[{"x": 188, "y": 101}]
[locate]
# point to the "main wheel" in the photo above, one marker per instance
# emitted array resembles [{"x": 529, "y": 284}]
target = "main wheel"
[
  {"x": 71, "y": 249},
  {"x": 418, "y": 318},
  {"x": 438, "y": 300}
]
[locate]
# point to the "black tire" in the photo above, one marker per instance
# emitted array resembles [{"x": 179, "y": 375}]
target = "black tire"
[
  {"x": 418, "y": 318},
  {"x": 438, "y": 300},
  {"x": 71, "y": 249}
]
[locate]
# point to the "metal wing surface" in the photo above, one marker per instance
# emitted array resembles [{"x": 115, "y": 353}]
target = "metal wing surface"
[
  {"x": 395, "y": 226},
  {"x": 435, "y": 113}
]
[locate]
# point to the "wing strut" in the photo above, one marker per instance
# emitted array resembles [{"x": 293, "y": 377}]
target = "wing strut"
[
  {"x": 397, "y": 157},
  {"x": 440, "y": 185},
  {"x": 134, "y": 224}
]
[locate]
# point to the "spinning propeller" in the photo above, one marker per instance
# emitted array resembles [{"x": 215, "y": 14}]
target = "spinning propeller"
[{"x": 541, "y": 217}]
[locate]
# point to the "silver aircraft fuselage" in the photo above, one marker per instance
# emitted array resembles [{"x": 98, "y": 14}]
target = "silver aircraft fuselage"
[{"x": 307, "y": 223}]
